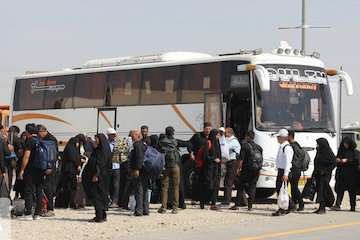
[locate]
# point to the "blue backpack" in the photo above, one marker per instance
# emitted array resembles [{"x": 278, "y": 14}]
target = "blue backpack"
[
  {"x": 154, "y": 161},
  {"x": 45, "y": 154}
]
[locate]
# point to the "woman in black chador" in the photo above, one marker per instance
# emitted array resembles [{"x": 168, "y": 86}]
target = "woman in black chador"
[
  {"x": 94, "y": 177},
  {"x": 324, "y": 163},
  {"x": 347, "y": 172}
]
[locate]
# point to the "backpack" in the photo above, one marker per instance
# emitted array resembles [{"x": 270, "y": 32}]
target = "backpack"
[
  {"x": 256, "y": 155},
  {"x": 154, "y": 161},
  {"x": 301, "y": 158},
  {"x": 169, "y": 148},
  {"x": 45, "y": 154},
  {"x": 306, "y": 162}
]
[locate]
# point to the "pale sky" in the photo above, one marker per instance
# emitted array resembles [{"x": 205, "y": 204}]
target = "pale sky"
[{"x": 52, "y": 35}]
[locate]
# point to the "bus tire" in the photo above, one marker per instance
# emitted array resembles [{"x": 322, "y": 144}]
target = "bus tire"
[
  {"x": 264, "y": 193},
  {"x": 188, "y": 171}
]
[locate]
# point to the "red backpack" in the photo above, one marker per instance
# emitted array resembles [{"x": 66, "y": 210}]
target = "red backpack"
[{"x": 199, "y": 156}]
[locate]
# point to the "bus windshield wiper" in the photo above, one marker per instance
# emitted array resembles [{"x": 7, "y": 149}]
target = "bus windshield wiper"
[{"x": 327, "y": 130}]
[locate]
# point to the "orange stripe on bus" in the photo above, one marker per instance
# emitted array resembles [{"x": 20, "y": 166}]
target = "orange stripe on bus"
[
  {"x": 29, "y": 116},
  {"x": 182, "y": 117}
]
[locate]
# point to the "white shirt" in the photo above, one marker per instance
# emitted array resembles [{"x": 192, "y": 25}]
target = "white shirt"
[
  {"x": 234, "y": 147},
  {"x": 284, "y": 157},
  {"x": 224, "y": 146}
]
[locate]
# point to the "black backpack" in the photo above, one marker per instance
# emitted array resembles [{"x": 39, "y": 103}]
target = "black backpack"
[
  {"x": 171, "y": 152},
  {"x": 301, "y": 158},
  {"x": 256, "y": 156}
]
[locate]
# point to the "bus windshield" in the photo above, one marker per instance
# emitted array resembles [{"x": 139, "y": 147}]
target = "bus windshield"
[{"x": 299, "y": 99}]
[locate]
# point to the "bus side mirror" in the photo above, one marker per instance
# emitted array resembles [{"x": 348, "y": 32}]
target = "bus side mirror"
[
  {"x": 261, "y": 74},
  {"x": 263, "y": 77},
  {"x": 348, "y": 82}
]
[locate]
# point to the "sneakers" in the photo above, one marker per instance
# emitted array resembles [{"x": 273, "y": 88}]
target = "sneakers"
[
  {"x": 48, "y": 214},
  {"x": 301, "y": 208},
  {"x": 336, "y": 208},
  {"x": 25, "y": 218},
  {"x": 114, "y": 205},
  {"x": 214, "y": 208},
  {"x": 280, "y": 212},
  {"x": 175, "y": 211},
  {"x": 320, "y": 211},
  {"x": 162, "y": 210},
  {"x": 234, "y": 208},
  {"x": 97, "y": 220}
]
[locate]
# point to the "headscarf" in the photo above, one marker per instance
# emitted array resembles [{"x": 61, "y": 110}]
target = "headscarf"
[
  {"x": 103, "y": 151},
  {"x": 325, "y": 158},
  {"x": 215, "y": 151},
  {"x": 347, "y": 152},
  {"x": 100, "y": 159}
]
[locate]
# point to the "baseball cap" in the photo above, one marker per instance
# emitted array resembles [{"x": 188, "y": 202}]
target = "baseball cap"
[
  {"x": 222, "y": 129},
  {"x": 282, "y": 133},
  {"x": 110, "y": 131}
]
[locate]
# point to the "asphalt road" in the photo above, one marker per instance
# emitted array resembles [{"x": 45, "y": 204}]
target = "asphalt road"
[
  {"x": 333, "y": 225},
  {"x": 194, "y": 224}
]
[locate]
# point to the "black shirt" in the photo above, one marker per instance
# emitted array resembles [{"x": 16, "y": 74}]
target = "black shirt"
[
  {"x": 137, "y": 155},
  {"x": 30, "y": 146},
  {"x": 246, "y": 153},
  {"x": 146, "y": 140}
]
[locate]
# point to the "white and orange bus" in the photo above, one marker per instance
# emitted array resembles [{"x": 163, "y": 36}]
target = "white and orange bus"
[{"x": 247, "y": 90}]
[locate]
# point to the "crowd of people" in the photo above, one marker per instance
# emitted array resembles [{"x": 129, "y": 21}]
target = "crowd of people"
[{"x": 108, "y": 171}]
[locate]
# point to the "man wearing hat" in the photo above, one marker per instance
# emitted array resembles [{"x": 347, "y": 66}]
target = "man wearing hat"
[
  {"x": 283, "y": 164},
  {"x": 114, "y": 184}
]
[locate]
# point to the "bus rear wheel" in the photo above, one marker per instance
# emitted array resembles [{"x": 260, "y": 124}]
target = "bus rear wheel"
[{"x": 264, "y": 193}]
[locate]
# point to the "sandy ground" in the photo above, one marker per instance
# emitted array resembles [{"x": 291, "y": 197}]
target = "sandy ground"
[{"x": 72, "y": 224}]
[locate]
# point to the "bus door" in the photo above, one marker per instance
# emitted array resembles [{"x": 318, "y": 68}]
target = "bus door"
[
  {"x": 106, "y": 119},
  {"x": 213, "y": 109},
  {"x": 238, "y": 114}
]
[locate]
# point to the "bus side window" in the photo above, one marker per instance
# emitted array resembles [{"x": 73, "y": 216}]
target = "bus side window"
[
  {"x": 124, "y": 87},
  {"x": 199, "y": 79},
  {"x": 90, "y": 90},
  {"x": 60, "y": 92},
  {"x": 160, "y": 85},
  {"x": 29, "y": 94}
]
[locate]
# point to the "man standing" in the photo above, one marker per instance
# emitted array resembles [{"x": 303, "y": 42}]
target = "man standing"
[
  {"x": 250, "y": 164},
  {"x": 33, "y": 177},
  {"x": 145, "y": 135},
  {"x": 51, "y": 174},
  {"x": 231, "y": 165},
  {"x": 283, "y": 164},
  {"x": 199, "y": 141},
  {"x": 172, "y": 173},
  {"x": 141, "y": 180},
  {"x": 115, "y": 172},
  {"x": 299, "y": 155}
]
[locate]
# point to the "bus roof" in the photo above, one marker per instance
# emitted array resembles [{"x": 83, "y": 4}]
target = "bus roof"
[{"x": 177, "y": 58}]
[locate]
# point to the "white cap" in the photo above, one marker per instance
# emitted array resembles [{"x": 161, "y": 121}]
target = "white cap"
[
  {"x": 110, "y": 131},
  {"x": 222, "y": 129},
  {"x": 282, "y": 133}
]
